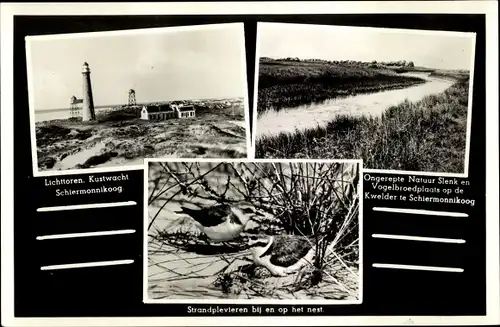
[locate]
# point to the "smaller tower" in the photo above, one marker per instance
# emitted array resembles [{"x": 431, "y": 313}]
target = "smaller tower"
[
  {"x": 73, "y": 107},
  {"x": 131, "y": 97}
]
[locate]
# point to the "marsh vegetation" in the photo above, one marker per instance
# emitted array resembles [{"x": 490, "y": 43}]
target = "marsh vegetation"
[
  {"x": 286, "y": 83},
  {"x": 420, "y": 126},
  {"x": 427, "y": 135}
]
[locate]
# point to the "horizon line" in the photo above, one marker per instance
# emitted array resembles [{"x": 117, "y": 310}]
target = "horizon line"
[
  {"x": 104, "y": 106},
  {"x": 378, "y": 61}
]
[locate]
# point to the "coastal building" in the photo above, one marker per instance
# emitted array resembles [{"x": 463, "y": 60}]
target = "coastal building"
[
  {"x": 75, "y": 107},
  {"x": 185, "y": 111},
  {"x": 158, "y": 112},
  {"x": 166, "y": 111}
]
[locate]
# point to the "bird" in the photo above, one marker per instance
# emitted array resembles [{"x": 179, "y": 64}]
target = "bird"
[
  {"x": 282, "y": 254},
  {"x": 222, "y": 222}
]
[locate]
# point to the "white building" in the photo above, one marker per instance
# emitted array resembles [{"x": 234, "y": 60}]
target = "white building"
[{"x": 185, "y": 111}]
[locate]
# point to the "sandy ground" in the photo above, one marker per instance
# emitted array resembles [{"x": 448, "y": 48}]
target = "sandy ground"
[
  {"x": 174, "y": 273},
  {"x": 66, "y": 144}
]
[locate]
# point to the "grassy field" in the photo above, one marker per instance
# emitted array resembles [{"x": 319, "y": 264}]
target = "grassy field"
[
  {"x": 428, "y": 135},
  {"x": 289, "y": 83},
  {"x": 119, "y": 137}
]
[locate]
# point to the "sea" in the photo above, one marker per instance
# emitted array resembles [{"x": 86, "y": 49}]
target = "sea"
[{"x": 62, "y": 113}]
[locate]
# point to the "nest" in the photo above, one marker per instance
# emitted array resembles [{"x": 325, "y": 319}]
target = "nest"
[
  {"x": 199, "y": 243},
  {"x": 250, "y": 281}
]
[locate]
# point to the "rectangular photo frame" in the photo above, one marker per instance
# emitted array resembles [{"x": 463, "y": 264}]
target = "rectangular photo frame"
[
  {"x": 182, "y": 113},
  {"x": 316, "y": 101}
]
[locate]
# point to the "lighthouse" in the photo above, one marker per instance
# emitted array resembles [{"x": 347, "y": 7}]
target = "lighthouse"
[{"x": 88, "y": 112}]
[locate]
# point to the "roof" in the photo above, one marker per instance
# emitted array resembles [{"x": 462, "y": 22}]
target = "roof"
[
  {"x": 75, "y": 100},
  {"x": 161, "y": 108}
]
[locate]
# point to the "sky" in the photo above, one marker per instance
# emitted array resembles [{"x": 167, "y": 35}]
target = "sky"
[
  {"x": 365, "y": 44},
  {"x": 180, "y": 65}
]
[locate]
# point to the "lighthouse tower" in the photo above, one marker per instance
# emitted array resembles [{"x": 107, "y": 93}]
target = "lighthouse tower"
[{"x": 88, "y": 112}]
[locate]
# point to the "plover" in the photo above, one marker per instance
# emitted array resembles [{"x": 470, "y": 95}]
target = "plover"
[
  {"x": 222, "y": 222},
  {"x": 281, "y": 255}
]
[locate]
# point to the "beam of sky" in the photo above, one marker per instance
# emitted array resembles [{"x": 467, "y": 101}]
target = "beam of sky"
[
  {"x": 194, "y": 63},
  {"x": 434, "y": 49}
]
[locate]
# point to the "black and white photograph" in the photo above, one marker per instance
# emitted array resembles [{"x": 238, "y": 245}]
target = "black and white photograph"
[
  {"x": 398, "y": 99},
  {"x": 255, "y": 231},
  {"x": 282, "y": 163},
  {"x": 105, "y": 100}
]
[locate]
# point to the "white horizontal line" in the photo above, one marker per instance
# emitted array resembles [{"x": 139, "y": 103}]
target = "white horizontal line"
[
  {"x": 89, "y": 234},
  {"x": 88, "y": 264},
  {"x": 410, "y": 267},
  {"x": 422, "y": 212},
  {"x": 419, "y": 238},
  {"x": 87, "y": 206}
]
